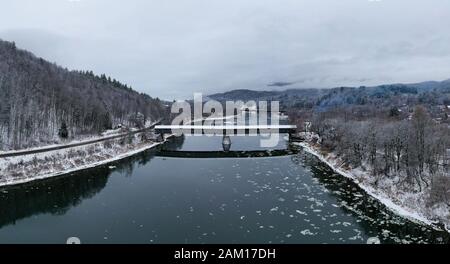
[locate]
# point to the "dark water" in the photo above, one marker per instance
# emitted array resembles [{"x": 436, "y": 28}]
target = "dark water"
[{"x": 152, "y": 199}]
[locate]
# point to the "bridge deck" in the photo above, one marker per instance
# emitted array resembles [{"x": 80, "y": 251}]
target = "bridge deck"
[{"x": 227, "y": 128}]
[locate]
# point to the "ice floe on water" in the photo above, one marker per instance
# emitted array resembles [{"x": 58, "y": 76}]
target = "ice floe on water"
[
  {"x": 274, "y": 209},
  {"x": 307, "y": 232},
  {"x": 301, "y": 212}
]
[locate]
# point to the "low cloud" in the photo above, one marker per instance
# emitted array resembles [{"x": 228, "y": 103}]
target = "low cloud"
[{"x": 280, "y": 84}]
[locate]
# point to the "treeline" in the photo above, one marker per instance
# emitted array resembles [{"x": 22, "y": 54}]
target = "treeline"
[
  {"x": 431, "y": 94},
  {"x": 412, "y": 151},
  {"x": 41, "y": 102},
  {"x": 387, "y": 95}
]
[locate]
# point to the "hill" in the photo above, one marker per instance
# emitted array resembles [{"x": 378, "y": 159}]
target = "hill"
[
  {"x": 428, "y": 93},
  {"x": 39, "y": 99}
]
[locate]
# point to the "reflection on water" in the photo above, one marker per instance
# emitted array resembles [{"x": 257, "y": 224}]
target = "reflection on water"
[
  {"x": 52, "y": 196},
  {"x": 58, "y": 195},
  {"x": 152, "y": 199}
]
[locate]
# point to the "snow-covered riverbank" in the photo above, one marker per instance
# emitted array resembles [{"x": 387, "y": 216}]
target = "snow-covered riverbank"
[
  {"x": 412, "y": 206},
  {"x": 27, "y": 168}
]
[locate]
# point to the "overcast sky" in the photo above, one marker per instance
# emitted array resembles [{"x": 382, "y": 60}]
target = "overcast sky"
[{"x": 172, "y": 48}]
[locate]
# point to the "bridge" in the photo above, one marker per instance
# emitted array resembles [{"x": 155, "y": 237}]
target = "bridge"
[{"x": 226, "y": 129}]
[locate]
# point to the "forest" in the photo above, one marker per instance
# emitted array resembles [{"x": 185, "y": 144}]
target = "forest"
[
  {"x": 42, "y": 103},
  {"x": 413, "y": 150}
]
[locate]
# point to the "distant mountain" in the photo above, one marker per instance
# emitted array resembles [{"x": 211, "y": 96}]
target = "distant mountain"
[
  {"x": 38, "y": 99},
  {"x": 433, "y": 93},
  {"x": 290, "y": 97},
  {"x": 443, "y": 86}
]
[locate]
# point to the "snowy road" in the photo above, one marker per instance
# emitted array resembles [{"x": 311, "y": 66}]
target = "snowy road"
[{"x": 71, "y": 145}]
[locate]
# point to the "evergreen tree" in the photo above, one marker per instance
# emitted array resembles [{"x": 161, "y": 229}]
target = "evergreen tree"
[{"x": 63, "y": 132}]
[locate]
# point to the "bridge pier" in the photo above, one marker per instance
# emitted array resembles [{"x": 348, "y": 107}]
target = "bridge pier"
[
  {"x": 226, "y": 143},
  {"x": 291, "y": 136}
]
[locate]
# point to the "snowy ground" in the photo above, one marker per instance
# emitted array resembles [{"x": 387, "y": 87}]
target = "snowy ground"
[
  {"x": 26, "y": 168},
  {"x": 411, "y": 205}
]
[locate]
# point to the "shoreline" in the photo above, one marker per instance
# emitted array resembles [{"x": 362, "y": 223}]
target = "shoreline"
[
  {"x": 83, "y": 167},
  {"x": 380, "y": 197}
]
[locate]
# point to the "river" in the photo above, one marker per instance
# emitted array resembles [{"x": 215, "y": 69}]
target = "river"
[{"x": 153, "y": 198}]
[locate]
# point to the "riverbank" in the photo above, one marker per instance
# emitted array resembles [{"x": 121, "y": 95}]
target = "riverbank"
[
  {"x": 412, "y": 206},
  {"x": 27, "y": 168}
]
